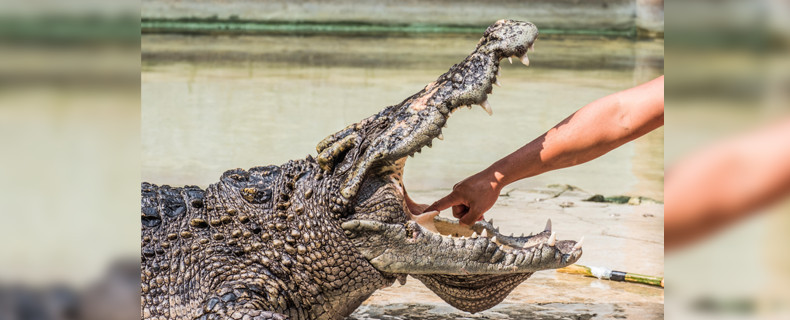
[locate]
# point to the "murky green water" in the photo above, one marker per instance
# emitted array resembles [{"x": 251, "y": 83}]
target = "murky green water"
[{"x": 212, "y": 103}]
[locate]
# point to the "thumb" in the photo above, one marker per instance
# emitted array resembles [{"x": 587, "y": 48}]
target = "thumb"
[{"x": 444, "y": 203}]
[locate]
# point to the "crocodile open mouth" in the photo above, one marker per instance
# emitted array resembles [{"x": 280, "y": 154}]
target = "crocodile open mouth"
[{"x": 471, "y": 267}]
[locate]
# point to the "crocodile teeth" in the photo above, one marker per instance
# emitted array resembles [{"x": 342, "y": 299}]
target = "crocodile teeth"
[
  {"x": 510, "y": 59},
  {"x": 441, "y": 136},
  {"x": 525, "y": 60},
  {"x": 552, "y": 239},
  {"x": 487, "y": 107},
  {"x": 579, "y": 244},
  {"x": 493, "y": 239},
  {"x": 474, "y": 235},
  {"x": 548, "y": 226},
  {"x": 484, "y": 234},
  {"x": 496, "y": 82},
  {"x": 532, "y": 47}
]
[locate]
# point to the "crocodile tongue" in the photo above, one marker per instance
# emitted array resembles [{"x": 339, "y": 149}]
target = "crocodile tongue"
[
  {"x": 426, "y": 220},
  {"x": 415, "y": 213}
]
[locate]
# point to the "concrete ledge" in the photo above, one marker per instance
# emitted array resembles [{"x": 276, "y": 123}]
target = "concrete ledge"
[
  {"x": 233, "y": 26},
  {"x": 604, "y": 15}
]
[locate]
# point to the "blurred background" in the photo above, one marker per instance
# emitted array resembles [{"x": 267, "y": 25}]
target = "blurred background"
[
  {"x": 728, "y": 77},
  {"x": 74, "y": 147},
  {"x": 240, "y": 84},
  {"x": 69, "y": 130}
]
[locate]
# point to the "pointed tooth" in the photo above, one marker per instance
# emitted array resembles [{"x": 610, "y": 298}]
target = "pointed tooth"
[
  {"x": 484, "y": 234},
  {"x": 511, "y": 234},
  {"x": 493, "y": 239},
  {"x": 525, "y": 60},
  {"x": 491, "y": 221},
  {"x": 548, "y": 226},
  {"x": 474, "y": 235},
  {"x": 496, "y": 82},
  {"x": 552, "y": 239},
  {"x": 487, "y": 107},
  {"x": 522, "y": 235},
  {"x": 441, "y": 136},
  {"x": 510, "y": 59},
  {"x": 532, "y": 47},
  {"x": 579, "y": 244}
]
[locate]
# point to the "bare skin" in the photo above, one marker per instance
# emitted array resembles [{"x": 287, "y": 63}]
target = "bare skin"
[
  {"x": 725, "y": 182},
  {"x": 590, "y": 132}
]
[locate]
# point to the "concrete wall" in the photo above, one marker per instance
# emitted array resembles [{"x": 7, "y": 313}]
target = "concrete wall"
[{"x": 547, "y": 14}]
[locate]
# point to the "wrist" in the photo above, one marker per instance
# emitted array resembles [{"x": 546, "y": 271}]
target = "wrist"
[{"x": 495, "y": 178}]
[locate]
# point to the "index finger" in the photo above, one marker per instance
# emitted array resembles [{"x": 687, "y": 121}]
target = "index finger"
[{"x": 444, "y": 203}]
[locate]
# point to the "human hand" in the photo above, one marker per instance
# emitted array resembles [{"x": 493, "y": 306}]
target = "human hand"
[{"x": 470, "y": 198}]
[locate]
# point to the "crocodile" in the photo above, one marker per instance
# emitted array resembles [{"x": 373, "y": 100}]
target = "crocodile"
[{"x": 313, "y": 238}]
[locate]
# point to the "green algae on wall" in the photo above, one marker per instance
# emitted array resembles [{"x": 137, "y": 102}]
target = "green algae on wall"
[{"x": 226, "y": 26}]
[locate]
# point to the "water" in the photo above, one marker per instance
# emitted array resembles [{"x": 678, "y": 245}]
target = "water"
[{"x": 212, "y": 103}]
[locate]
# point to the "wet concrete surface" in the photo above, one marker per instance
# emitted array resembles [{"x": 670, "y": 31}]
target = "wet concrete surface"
[{"x": 542, "y": 311}]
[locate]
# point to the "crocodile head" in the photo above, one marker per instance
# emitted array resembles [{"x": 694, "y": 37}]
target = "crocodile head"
[{"x": 472, "y": 268}]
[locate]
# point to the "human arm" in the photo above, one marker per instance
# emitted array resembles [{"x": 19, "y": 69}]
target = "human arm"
[
  {"x": 726, "y": 182},
  {"x": 590, "y": 132}
]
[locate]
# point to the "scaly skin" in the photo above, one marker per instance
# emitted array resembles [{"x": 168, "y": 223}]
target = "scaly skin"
[
  {"x": 312, "y": 239},
  {"x": 260, "y": 242}
]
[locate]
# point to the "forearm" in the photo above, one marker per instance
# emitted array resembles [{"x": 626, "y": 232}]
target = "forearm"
[
  {"x": 592, "y": 131},
  {"x": 726, "y": 182}
]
